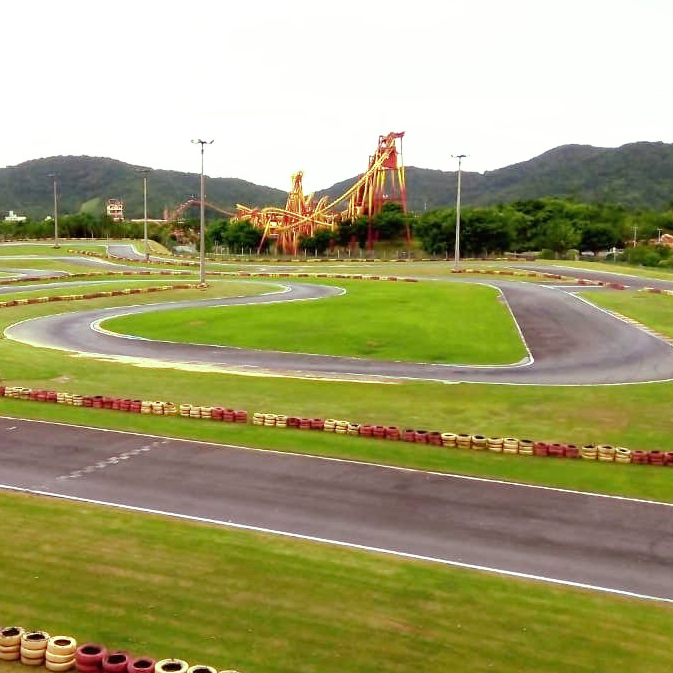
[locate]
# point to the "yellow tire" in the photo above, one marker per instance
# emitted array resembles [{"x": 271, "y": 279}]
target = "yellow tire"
[
  {"x": 34, "y": 640},
  {"x": 171, "y": 666},
  {"x": 60, "y": 667},
  {"x": 10, "y": 656},
  {"x": 199, "y": 668},
  {"x": 11, "y": 635},
  {"x": 61, "y": 646},
  {"x": 32, "y": 662},
  {"x": 9, "y": 649}
]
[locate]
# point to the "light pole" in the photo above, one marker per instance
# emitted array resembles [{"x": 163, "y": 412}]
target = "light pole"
[
  {"x": 56, "y": 245},
  {"x": 202, "y": 232},
  {"x": 456, "y": 254},
  {"x": 144, "y": 172}
]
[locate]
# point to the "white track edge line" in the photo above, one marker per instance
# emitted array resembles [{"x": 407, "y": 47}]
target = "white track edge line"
[{"x": 341, "y": 543}]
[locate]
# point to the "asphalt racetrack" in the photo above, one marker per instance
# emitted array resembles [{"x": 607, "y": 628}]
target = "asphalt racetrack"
[
  {"x": 571, "y": 342},
  {"x": 602, "y": 542}
]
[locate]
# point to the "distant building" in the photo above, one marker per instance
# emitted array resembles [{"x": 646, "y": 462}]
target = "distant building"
[
  {"x": 13, "y": 217},
  {"x": 115, "y": 209}
]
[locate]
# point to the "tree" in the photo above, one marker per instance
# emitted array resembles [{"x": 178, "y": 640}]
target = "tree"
[
  {"x": 559, "y": 235},
  {"x": 596, "y": 237},
  {"x": 242, "y": 236}
]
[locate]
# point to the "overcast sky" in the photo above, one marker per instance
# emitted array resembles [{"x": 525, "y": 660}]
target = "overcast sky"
[{"x": 304, "y": 84}]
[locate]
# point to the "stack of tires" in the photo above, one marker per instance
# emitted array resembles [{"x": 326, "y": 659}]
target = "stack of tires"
[
  {"x": 10, "y": 643},
  {"x": 89, "y": 658},
  {"x": 61, "y": 654},
  {"x": 33, "y": 647}
]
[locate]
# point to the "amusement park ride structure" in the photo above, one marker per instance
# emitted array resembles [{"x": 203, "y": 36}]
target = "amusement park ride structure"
[
  {"x": 382, "y": 182},
  {"x": 193, "y": 201}
]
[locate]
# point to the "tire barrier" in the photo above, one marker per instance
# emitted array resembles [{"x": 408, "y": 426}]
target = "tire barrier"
[
  {"x": 141, "y": 665},
  {"x": 171, "y": 666},
  {"x": 61, "y": 654},
  {"x": 89, "y": 658},
  {"x": 33, "y": 648},
  {"x": 10, "y": 643},
  {"x": 95, "y": 295},
  {"x": 115, "y": 662},
  {"x": 604, "y": 453},
  {"x": 656, "y": 290}
]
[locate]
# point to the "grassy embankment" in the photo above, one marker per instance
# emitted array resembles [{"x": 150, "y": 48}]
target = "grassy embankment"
[
  {"x": 653, "y": 310},
  {"x": 263, "y": 604},
  {"x": 429, "y": 322}
]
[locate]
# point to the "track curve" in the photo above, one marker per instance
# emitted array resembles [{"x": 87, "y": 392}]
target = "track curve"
[{"x": 571, "y": 342}]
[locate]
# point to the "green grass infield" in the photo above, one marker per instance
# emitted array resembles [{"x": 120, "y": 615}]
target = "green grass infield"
[{"x": 424, "y": 322}]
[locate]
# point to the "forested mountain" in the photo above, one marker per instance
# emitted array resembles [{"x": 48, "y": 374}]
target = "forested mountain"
[
  {"x": 639, "y": 175},
  {"x": 85, "y": 183}
]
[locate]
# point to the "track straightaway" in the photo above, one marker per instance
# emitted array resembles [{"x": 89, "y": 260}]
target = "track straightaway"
[
  {"x": 606, "y": 543},
  {"x": 572, "y": 343}
]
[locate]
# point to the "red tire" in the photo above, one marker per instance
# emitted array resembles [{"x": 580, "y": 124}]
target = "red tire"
[
  {"x": 141, "y": 665},
  {"x": 90, "y": 654},
  {"x": 572, "y": 451},
  {"x": 541, "y": 449},
  {"x": 82, "y": 668},
  {"x": 116, "y": 662}
]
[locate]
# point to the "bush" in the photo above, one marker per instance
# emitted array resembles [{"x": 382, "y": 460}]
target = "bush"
[
  {"x": 546, "y": 253},
  {"x": 572, "y": 255}
]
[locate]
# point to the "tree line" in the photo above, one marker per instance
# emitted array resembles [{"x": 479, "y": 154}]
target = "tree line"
[{"x": 556, "y": 227}]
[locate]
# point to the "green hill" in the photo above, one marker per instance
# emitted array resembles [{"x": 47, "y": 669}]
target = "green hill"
[
  {"x": 85, "y": 183},
  {"x": 639, "y": 175}
]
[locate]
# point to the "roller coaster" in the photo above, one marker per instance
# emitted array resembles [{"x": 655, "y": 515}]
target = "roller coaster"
[
  {"x": 303, "y": 215},
  {"x": 193, "y": 201}
]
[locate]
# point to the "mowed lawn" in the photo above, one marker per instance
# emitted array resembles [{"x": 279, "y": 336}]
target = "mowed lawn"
[
  {"x": 265, "y": 604},
  {"x": 653, "y": 310},
  {"x": 424, "y": 322}
]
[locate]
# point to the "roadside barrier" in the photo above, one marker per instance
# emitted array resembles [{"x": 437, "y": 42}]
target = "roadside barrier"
[
  {"x": 656, "y": 290},
  {"x": 10, "y": 643},
  {"x": 604, "y": 453},
  {"x": 61, "y": 654},
  {"x": 95, "y": 295},
  {"x": 33, "y": 647}
]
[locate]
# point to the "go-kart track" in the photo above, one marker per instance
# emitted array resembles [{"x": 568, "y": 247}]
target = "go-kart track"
[
  {"x": 570, "y": 342},
  {"x": 598, "y": 542}
]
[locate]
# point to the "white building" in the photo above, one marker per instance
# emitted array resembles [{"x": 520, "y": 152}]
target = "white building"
[
  {"x": 13, "y": 217},
  {"x": 115, "y": 209}
]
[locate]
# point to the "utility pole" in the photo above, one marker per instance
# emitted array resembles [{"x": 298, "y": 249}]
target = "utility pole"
[
  {"x": 144, "y": 172},
  {"x": 202, "y": 234},
  {"x": 56, "y": 245},
  {"x": 659, "y": 235},
  {"x": 635, "y": 235},
  {"x": 456, "y": 254}
]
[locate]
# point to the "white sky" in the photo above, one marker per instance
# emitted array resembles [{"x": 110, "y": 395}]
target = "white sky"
[{"x": 304, "y": 84}]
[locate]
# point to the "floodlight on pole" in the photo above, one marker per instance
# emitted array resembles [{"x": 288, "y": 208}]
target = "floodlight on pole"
[
  {"x": 53, "y": 176},
  {"x": 202, "y": 234},
  {"x": 144, "y": 172},
  {"x": 456, "y": 254}
]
